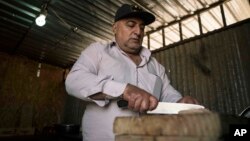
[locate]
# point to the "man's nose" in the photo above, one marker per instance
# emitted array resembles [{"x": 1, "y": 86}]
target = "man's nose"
[{"x": 138, "y": 31}]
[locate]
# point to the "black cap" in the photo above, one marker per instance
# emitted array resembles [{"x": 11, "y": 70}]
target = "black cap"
[{"x": 126, "y": 11}]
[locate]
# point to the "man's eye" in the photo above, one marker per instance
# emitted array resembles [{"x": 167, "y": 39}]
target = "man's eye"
[{"x": 130, "y": 24}]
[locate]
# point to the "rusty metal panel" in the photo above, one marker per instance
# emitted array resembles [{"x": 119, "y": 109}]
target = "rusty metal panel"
[{"x": 214, "y": 69}]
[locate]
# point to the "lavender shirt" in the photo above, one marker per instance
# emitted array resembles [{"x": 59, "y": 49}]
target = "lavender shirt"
[{"x": 107, "y": 69}]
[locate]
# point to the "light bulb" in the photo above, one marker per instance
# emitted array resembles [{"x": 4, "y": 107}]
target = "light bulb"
[{"x": 40, "y": 20}]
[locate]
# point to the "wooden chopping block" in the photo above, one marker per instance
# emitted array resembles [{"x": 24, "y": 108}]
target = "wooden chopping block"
[
  {"x": 162, "y": 138},
  {"x": 190, "y": 125}
]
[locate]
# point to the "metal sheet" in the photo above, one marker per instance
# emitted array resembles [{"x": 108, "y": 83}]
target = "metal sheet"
[{"x": 214, "y": 69}]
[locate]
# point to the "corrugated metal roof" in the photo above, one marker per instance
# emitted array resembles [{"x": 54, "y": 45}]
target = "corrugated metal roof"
[{"x": 72, "y": 24}]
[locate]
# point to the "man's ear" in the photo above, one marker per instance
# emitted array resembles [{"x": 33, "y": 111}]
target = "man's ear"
[{"x": 114, "y": 28}]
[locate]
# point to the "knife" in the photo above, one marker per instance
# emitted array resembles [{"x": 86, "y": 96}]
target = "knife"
[{"x": 165, "y": 107}]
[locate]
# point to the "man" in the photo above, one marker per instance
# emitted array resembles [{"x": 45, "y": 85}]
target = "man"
[{"x": 122, "y": 69}]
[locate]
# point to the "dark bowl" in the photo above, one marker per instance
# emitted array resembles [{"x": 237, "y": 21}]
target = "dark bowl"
[{"x": 63, "y": 129}]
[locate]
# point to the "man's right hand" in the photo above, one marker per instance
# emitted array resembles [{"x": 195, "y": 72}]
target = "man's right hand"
[{"x": 138, "y": 99}]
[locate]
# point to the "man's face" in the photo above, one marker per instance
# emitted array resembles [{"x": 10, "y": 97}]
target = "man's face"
[{"x": 129, "y": 34}]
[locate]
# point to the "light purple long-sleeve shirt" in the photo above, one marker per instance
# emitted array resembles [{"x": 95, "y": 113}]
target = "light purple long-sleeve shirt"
[{"x": 107, "y": 69}]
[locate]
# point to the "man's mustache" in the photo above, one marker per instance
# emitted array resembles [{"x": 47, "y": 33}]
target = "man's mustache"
[{"x": 135, "y": 38}]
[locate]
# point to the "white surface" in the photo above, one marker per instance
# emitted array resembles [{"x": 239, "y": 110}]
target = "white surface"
[{"x": 173, "y": 108}]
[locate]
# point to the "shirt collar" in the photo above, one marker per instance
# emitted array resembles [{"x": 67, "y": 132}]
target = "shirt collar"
[{"x": 143, "y": 53}]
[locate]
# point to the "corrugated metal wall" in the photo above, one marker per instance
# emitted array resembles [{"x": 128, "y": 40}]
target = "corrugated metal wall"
[{"x": 215, "y": 69}]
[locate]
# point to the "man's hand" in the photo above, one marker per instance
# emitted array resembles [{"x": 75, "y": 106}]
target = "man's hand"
[
  {"x": 138, "y": 99},
  {"x": 188, "y": 99}
]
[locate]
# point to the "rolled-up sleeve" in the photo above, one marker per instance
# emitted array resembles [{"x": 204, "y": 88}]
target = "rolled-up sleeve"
[{"x": 83, "y": 79}]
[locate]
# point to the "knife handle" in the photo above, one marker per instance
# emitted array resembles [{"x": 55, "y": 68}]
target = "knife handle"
[{"x": 122, "y": 103}]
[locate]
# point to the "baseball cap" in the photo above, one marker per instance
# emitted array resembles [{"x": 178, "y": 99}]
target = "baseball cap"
[{"x": 127, "y": 10}]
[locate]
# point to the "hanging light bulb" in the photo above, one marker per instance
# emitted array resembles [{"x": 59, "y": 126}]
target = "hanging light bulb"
[{"x": 41, "y": 20}]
